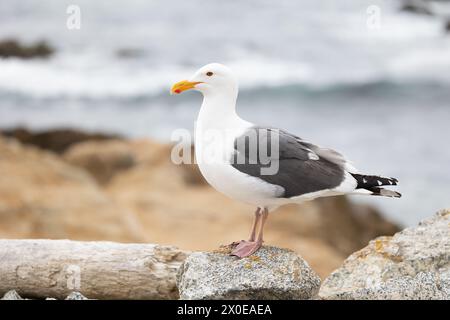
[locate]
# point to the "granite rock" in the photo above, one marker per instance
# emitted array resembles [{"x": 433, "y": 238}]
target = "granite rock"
[
  {"x": 271, "y": 273},
  {"x": 413, "y": 264},
  {"x": 11, "y": 295}
]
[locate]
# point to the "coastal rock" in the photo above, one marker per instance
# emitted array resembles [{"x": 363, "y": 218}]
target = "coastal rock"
[
  {"x": 417, "y": 7},
  {"x": 104, "y": 159},
  {"x": 41, "y": 196},
  {"x": 271, "y": 273},
  {"x": 11, "y": 295},
  {"x": 413, "y": 264},
  {"x": 343, "y": 224},
  {"x": 56, "y": 140},
  {"x": 101, "y": 159},
  {"x": 130, "y": 53},
  {"x": 12, "y": 48}
]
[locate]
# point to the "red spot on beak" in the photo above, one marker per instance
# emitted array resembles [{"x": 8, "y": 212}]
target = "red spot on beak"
[{"x": 178, "y": 91}]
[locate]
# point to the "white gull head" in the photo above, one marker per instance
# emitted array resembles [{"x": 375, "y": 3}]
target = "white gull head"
[{"x": 214, "y": 79}]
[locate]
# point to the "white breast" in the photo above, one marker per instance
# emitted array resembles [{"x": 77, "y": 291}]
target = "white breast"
[
  {"x": 237, "y": 185},
  {"x": 214, "y": 147}
]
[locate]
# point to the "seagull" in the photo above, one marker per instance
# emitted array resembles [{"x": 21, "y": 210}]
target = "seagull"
[{"x": 263, "y": 166}]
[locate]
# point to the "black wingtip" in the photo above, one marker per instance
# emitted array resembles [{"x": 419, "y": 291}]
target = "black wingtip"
[{"x": 394, "y": 180}]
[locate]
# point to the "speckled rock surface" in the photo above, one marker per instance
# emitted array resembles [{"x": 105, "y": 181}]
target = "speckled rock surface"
[
  {"x": 11, "y": 295},
  {"x": 271, "y": 273},
  {"x": 413, "y": 264},
  {"x": 76, "y": 296}
]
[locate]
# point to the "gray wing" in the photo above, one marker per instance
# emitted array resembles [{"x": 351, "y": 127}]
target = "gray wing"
[{"x": 302, "y": 167}]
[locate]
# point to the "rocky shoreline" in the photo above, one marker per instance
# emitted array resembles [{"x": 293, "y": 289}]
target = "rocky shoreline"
[
  {"x": 65, "y": 184},
  {"x": 414, "y": 264},
  {"x": 12, "y": 48}
]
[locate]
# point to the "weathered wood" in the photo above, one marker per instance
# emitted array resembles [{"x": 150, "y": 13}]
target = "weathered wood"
[{"x": 99, "y": 270}]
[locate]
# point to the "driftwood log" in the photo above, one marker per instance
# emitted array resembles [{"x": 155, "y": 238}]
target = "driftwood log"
[{"x": 99, "y": 270}]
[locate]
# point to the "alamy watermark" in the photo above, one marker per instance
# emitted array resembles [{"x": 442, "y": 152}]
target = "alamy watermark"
[
  {"x": 373, "y": 21},
  {"x": 73, "y": 21},
  {"x": 73, "y": 277},
  {"x": 258, "y": 147}
]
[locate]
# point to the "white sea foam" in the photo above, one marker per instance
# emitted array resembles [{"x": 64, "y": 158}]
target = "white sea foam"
[
  {"x": 311, "y": 44},
  {"x": 97, "y": 78}
]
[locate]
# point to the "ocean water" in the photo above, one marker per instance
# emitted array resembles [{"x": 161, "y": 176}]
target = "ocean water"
[{"x": 381, "y": 96}]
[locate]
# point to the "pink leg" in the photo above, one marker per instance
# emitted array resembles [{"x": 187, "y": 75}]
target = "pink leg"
[
  {"x": 252, "y": 238},
  {"x": 255, "y": 224},
  {"x": 265, "y": 215},
  {"x": 247, "y": 248}
]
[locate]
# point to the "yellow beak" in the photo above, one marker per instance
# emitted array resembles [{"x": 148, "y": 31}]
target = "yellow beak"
[{"x": 181, "y": 86}]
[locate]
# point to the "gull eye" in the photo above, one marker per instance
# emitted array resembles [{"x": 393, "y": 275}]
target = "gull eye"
[{"x": 209, "y": 73}]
